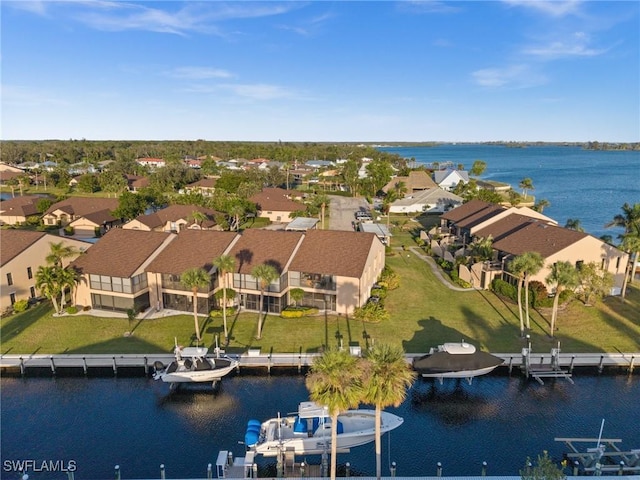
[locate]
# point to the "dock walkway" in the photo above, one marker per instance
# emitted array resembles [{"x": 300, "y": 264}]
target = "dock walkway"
[{"x": 254, "y": 358}]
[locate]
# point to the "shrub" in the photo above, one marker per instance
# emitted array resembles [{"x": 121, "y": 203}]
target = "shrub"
[
  {"x": 69, "y": 230},
  {"x": 371, "y": 312},
  {"x": 389, "y": 279},
  {"x": 504, "y": 289},
  {"x": 379, "y": 292},
  {"x": 297, "y": 312},
  {"x": 217, "y": 312},
  {"x": 538, "y": 291},
  {"x": 71, "y": 310},
  {"x": 20, "y": 306}
]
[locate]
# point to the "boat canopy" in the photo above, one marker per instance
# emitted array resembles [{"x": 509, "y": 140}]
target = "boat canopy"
[{"x": 193, "y": 352}]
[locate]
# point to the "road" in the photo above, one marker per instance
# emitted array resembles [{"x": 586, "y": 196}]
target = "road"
[{"x": 343, "y": 211}]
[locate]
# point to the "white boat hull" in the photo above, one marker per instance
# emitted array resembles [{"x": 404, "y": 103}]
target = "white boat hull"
[
  {"x": 191, "y": 365},
  {"x": 461, "y": 373},
  {"x": 196, "y": 376},
  {"x": 357, "y": 427}
]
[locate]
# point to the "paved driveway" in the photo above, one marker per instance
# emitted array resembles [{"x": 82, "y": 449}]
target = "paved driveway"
[{"x": 343, "y": 211}]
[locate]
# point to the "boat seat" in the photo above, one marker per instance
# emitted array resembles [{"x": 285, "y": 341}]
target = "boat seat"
[
  {"x": 172, "y": 367},
  {"x": 202, "y": 365},
  {"x": 188, "y": 363}
]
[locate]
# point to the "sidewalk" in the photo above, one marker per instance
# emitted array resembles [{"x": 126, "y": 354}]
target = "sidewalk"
[{"x": 417, "y": 251}]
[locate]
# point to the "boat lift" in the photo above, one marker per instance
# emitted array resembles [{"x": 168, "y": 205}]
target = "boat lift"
[
  {"x": 598, "y": 460},
  {"x": 540, "y": 371}
]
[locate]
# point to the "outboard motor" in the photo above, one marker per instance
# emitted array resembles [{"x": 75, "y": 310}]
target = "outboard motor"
[{"x": 158, "y": 366}]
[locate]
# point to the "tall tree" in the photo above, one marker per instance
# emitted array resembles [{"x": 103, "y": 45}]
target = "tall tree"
[
  {"x": 58, "y": 252},
  {"x": 387, "y": 376},
  {"x": 264, "y": 274},
  {"x": 478, "y": 168},
  {"x": 225, "y": 264},
  {"x": 541, "y": 205},
  {"x": 574, "y": 224},
  {"x": 563, "y": 276},
  {"x": 532, "y": 263},
  {"x": 194, "y": 279},
  {"x": 48, "y": 282},
  {"x": 335, "y": 382},
  {"x": 516, "y": 267},
  {"x": 629, "y": 220},
  {"x": 526, "y": 184},
  {"x": 130, "y": 205}
]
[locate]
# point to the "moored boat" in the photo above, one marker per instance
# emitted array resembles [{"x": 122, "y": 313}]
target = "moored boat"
[
  {"x": 192, "y": 365},
  {"x": 309, "y": 430},
  {"x": 455, "y": 360}
]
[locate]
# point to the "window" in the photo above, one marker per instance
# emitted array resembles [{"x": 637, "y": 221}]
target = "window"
[
  {"x": 9, "y": 281},
  {"x": 32, "y": 292},
  {"x": 617, "y": 263},
  {"x": 29, "y": 273},
  {"x": 12, "y": 297}
]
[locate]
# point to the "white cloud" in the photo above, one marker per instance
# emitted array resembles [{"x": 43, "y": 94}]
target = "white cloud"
[
  {"x": 554, "y": 8},
  {"x": 575, "y": 46},
  {"x": 199, "y": 73},
  {"x": 512, "y": 76},
  {"x": 259, "y": 91},
  {"x": 427, "y": 6}
]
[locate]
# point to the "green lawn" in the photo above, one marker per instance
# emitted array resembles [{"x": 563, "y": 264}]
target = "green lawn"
[{"x": 424, "y": 313}]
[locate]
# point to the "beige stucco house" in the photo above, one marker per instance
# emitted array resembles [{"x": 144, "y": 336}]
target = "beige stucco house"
[
  {"x": 15, "y": 211},
  {"x": 84, "y": 214},
  {"x": 175, "y": 218},
  {"x": 21, "y": 253},
  {"x": 277, "y": 204}
]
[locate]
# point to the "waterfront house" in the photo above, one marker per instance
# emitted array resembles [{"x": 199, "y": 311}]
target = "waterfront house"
[
  {"x": 277, "y": 204},
  {"x": 189, "y": 249},
  {"x": 113, "y": 270},
  {"x": 449, "y": 179},
  {"x": 517, "y": 230},
  {"x": 336, "y": 270},
  {"x": 175, "y": 218},
  {"x": 22, "y": 252},
  {"x": 85, "y": 214},
  {"x": 15, "y": 211}
]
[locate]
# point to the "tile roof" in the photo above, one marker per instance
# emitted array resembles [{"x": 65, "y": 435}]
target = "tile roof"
[
  {"x": 255, "y": 247},
  {"x": 14, "y": 242},
  {"x": 276, "y": 199},
  {"x": 333, "y": 252},
  {"x": 430, "y": 196},
  {"x": 81, "y": 206},
  {"x": 539, "y": 237},
  {"x": 120, "y": 252},
  {"x": 22, "y": 206},
  {"x": 191, "y": 248}
]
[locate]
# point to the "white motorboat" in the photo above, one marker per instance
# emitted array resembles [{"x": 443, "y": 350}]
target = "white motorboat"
[
  {"x": 192, "y": 365},
  {"x": 455, "y": 360},
  {"x": 309, "y": 431}
]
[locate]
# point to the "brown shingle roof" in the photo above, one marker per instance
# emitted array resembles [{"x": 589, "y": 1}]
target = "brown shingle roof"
[
  {"x": 480, "y": 216},
  {"x": 13, "y": 242},
  {"x": 275, "y": 199},
  {"x": 538, "y": 237},
  {"x": 417, "y": 180},
  {"x": 332, "y": 252},
  {"x": 173, "y": 213},
  {"x": 120, "y": 252},
  {"x": 22, "y": 206},
  {"x": 192, "y": 248},
  {"x": 465, "y": 210},
  {"x": 505, "y": 226},
  {"x": 255, "y": 247},
  {"x": 81, "y": 206}
]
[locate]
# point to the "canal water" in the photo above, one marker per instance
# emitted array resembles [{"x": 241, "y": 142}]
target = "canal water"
[{"x": 96, "y": 423}]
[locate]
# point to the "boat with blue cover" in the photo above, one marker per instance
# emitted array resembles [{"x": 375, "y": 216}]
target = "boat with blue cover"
[{"x": 308, "y": 431}]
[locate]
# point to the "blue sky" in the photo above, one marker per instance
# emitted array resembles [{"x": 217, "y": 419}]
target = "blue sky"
[{"x": 321, "y": 71}]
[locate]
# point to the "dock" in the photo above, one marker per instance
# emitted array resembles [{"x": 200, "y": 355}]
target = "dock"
[
  {"x": 538, "y": 366},
  {"x": 605, "y": 457}
]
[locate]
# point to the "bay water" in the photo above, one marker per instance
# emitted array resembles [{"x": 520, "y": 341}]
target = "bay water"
[{"x": 588, "y": 185}]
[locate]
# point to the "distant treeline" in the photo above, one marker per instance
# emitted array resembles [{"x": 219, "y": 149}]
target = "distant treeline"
[{"x": 75, "y": 151}]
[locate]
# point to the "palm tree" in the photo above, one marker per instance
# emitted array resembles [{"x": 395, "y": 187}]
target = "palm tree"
[
  {"x": 193, "y": 279},
  {"x": 48, "y": 282},
  {"x": 225, "y": 265},
  {"x": 541, "y": 205},
  {"x": 516, "y": 267},
  {"x": 630, "y": 221},
  {"x": 59, "y": 251},
  {"x": 387, "y": 376},
  {"x": 532, "y": 263},
  {"x": 563, "y": 275},
  {"x": 264, "y": 274},
  {"x": 335, "y": 382},
  {"x": 526, "y": 184},
  {"x": 482, "y": 248},
  {"x": 198, "y": 217},
  {"x": 573, "y": 224},
  {"x": 236, "y": 211},
  {"x": 68, "y": 278}
]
